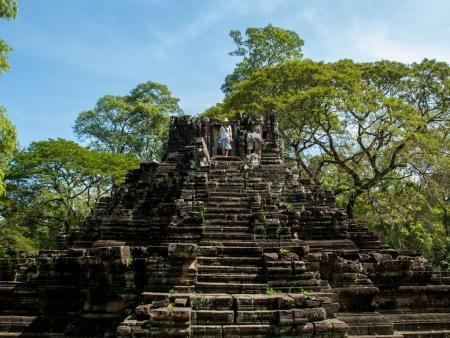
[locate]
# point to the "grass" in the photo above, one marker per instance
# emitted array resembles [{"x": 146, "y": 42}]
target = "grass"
[
  {"x": 272, "y": 292},
  {"x": 284, "y": 251}
]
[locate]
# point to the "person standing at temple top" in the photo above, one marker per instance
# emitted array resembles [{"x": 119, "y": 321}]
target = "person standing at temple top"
[{"x": 225, "y": 138}]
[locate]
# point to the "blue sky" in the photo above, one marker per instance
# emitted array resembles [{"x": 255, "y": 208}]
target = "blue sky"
[{"x": 68, "y": 53}]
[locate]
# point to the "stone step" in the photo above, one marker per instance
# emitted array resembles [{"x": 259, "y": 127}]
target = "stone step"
[
  {"x": 241, "y": 251},
  {"x": 229, "y": 261},
  {"x": 224, "y": 184},
  {"x": 225, "y": 211},
  {"x": 227, "y": 222},
  {"x": 225, "y": 168},
  {"x": 231, "y": 288},
  {"x": 420, "y": 321},
  {"x": 229, "y": 278},
  {"x": 236, "y": 177},
  {"x": 444, "y": 280},
  {"x": 15, "y": 323},
  {"x": 231, "y": 250},
  {"x": 230, "y": 199},
  {"x": 332, "y": 245},
  {"x": 225, "y": 228},
  {"x": 227, "y": 195},
  {"x": 225, "y": 171},
  {"x": 227, "y": 190},
  {"x": 219, "y": 159},
  {"x": 369, "y": 323},
  {"x": 226, "y": 236},
  {"x": 227, "y": 179},
  {"x": 227, "y": 205},
  {"x": 218, "y": 317},
  {"x": 222, "y": 243},
  {"x": 425, "y": 334},
  {"x": 243, "y": 244},
  {"x": 273, "y": 159},
  {"x": 217, "y": 331},
  {"x": 228, "y": 269}
]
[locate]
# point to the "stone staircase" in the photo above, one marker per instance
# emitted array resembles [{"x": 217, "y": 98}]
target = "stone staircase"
[
  {"x": 236, "y": 266},
  {"x": 406, "y": 325},
  {"x": 230, "y": 315}
]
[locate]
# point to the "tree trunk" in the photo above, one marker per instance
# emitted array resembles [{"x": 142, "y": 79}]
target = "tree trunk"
[
  {"x": 351, "y": 205},
  {"x": 66, "y": 226}
]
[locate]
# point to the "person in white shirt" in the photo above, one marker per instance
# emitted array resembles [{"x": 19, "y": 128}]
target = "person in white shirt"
[{"x": 225, "y": 138}]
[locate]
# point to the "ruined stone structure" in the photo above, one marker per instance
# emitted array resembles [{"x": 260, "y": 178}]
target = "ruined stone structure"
[{"x": 207, "y": 246}]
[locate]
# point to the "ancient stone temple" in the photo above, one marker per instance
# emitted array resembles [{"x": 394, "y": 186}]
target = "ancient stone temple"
[{"x": 202, "y": 245}]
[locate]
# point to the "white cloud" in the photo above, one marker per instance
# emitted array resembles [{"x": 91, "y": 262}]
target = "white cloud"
[
  {"x": 365, "y": 37},
  {"x": 205, "y": 18},
  {"x": 379, "y": 45}
]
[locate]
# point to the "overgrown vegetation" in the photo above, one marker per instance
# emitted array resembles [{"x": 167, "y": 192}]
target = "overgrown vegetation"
[{"x": 272, "y": 292}]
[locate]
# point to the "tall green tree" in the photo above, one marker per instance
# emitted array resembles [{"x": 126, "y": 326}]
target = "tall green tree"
[
  {"x": 260, "y": 48},
  {"x": 370, "y": 121},
  {"x": 7, "y": 145},
  {"x": 8, "y": 11},
  {"x": 133, "y": 124},
  {"x": 411, "y": 213},
  {"x": 53, "y": 184}
]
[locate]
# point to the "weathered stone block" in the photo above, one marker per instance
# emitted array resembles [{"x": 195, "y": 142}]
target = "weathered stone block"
[
  {"x": 316, "y": 314},
  {"x": 182, "y": 250},
  {"x": 201, "y": 317},
  {"x": 123, "y": 330}
]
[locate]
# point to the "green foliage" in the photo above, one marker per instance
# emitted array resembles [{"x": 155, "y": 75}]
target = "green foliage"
[
  {"x": 272, "y": 292},
  {"x": 8, "y": 10},
  {"x": 284, "y": 251},
  {"x": 13, "y": 242},
  {"x": 364, "y": 122},
  {"x": 4, "y": 50},
  {"x": 411, "y": 214},
  {"x": 216, "y": 112},
  {"x": 133, "y": 124},
  {"x": 290, "y": 207},
  {"x": 7, "y": 145},
  {"x": 261, "y": 47},
  {"x": 52, "y": 185}
]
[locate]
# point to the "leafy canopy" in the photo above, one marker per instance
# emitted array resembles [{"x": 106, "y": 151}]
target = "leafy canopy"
[
  {"x": 7, "y": 145},
  {"x": 8, "y": 10},
  {"x": 367, "y": 120},
  {"x": 134, "y": 124},
  {"x": 53, "y": 184},
  {"x": 260, "y": 48}
]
